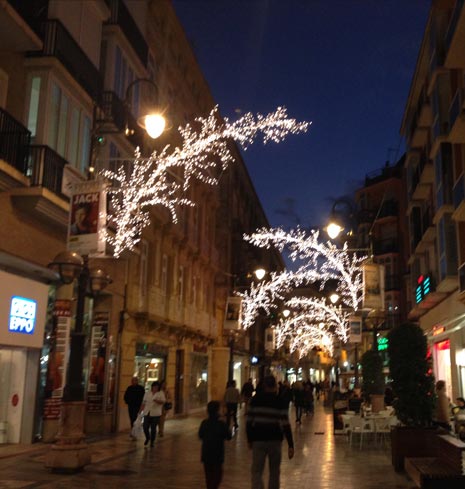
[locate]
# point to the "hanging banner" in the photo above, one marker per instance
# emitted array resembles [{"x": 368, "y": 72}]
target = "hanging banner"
[
  {"x": 355, "y": 329},
  {"x": 373, "y": 286},
  {"x": 57, "y": 359},
  {"x": 270, "y": 340},
  {"x": 87, "y": 219},
  {"x": 233, "y": 313},
  {"x": 98, "y": 353}
]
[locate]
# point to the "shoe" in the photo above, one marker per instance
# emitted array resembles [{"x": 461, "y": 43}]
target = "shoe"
[
  {"x": 160, "y": 434},
  {"x": 146, "y": 442},
  {"x": 236, "y": 426}
]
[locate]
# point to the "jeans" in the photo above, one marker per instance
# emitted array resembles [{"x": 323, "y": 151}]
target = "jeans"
[
  {"x": 150, "y": 427},
  {"x": 213, "y": 475},
  {"x": 231, "y": 412},
  {"x": 260, "y": 450},
  {"x": 298, "y": 413}
]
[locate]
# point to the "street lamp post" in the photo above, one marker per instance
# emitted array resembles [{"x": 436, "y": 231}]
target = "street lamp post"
[{"x": 70, "y": 453}]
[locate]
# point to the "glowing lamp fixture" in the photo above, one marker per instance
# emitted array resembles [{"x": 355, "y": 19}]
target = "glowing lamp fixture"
[
  {"x": 154, "y": 124},
  {"x": 333, "y": 230},
  {"x": 286, "y": 313},
  {"x": 334, "y": 298},
  {"x": 260, "y": 273}
]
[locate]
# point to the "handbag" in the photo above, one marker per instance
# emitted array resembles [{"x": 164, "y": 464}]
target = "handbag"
[
  {"x": 137, "y": 428},
  {"x": 167, "y": 406}
]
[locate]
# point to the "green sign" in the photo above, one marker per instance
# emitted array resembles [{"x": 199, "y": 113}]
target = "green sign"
[{"x": 383, "y": 344}]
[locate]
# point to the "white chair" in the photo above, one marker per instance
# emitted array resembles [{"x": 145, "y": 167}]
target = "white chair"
[
  {"x": 346, "y": 423},
  {"x": 382, "y": 428},
  {"x": 360, "y": 426},
  {"x": 351, "y": 413},
  {"x": 393, "y": 421}
]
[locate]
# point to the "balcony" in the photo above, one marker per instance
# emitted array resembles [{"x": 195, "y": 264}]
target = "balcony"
[
  {"x": 44, "y": 198},
  {"x": 462, "y": 282},
  {"x": 112, "y": 116},
  {"x": 439, "y": 133},
  {"x": 427, "y": 235},
  {"x": 14, "y": 148},
  {"x": 385, "y": 246},
  {"x": 121, "y": 17},
  {"x": 15, "y": 34},
  {"x": 455, "y": 37},
  {"x": 457, "y": 118},
  {"x": 422, "y": 179},
  {"x": 392, "y": 282},
  {"x": 59, "y": 43},
  {"x": 459, "y": 199}
]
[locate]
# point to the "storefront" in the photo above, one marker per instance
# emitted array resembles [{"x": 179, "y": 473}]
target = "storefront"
[
  {"x": 23, "y": 315},
  {"x": 150, "y": 363},
  {"x": 198, "y": 387}
]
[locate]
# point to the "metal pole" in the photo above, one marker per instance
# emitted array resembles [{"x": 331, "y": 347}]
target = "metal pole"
[
  {"x": 231, "y": 359},
  {"x": 74, "y": 388}
]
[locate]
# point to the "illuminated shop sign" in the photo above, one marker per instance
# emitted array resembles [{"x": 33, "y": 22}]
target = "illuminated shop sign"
[
  {"x": 423, "y": 288},
  {"x": 22, "y": 315},
  {"x": 383, "y": 344}
]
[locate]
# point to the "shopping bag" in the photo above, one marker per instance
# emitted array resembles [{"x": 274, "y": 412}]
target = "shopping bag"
[{"x": 137, "y": 428}]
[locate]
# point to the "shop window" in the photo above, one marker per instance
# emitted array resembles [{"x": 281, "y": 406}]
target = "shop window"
[{"x": 198, "y": 386}]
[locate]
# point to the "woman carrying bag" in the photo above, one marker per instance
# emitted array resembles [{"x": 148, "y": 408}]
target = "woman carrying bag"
[{"x": 166, "y": 407}]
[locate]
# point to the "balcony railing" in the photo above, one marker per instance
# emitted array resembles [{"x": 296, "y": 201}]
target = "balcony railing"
[
  {"x": 459, "y": 193},
  {"x": 14, "y": 141},
  {"x": 114, "y": 113},
  {"x": 383, "y": 246},
  {"x": 440, "y": 128},
  {"x": 121, "y": 17},
  {"x": 59, "y": 43},
  {"x": 45, "y": 169},
  {"x": 456, "y": 106},
  {"x": 453, "y": 23},
  {"x": 392, "y": 282}
]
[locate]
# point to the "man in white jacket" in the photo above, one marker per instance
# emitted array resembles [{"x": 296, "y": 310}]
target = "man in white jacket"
[{"x": 152, "y": 407}]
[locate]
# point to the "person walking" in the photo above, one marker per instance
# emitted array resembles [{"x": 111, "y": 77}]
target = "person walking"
[
  {"x": 247, "y": 393},
  {"x": 165, "y": 408},
  {"x": 267, "y": 424},
  {"x": 298, "y": 398},
  {"x": 133, "y": 398},
  {"x": 152, "y": 406},
  {"x": 213, "y": 432},
  {"x": 232, "y": 398}
]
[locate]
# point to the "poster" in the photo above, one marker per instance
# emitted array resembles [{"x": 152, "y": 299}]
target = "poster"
[
  {"x": 98, "y": 353},
  {"x": 373, "y": 286},
  {"x": 57, "y": 359},
  {"x": 87, "y": 219},
  {"x": 233, "y": 313},
  {"x": 355, "y": 329}
]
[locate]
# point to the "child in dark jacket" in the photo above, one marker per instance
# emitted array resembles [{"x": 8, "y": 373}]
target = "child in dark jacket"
[{"x": 213, "y": 432}]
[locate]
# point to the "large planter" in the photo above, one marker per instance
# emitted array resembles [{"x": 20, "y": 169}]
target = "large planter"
[
  {"x": 377, "y": 402},
  {"x": 411, "y": 442}
]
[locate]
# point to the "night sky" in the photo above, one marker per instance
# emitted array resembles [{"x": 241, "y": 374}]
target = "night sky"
[{"x": 344, "y": 65}]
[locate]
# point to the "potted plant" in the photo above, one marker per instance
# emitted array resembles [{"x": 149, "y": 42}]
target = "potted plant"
[
  {"x": 413, "y": 388},
  {"x": 373, "y": 379}
]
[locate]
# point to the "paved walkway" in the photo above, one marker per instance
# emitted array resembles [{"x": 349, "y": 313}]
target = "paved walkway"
[{"x": 322, "y": 461}]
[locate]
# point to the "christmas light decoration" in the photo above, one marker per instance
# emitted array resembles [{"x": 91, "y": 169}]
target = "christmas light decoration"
[
  {"x": 319, "y": 262},
  {"x": 164, "y": 177}
]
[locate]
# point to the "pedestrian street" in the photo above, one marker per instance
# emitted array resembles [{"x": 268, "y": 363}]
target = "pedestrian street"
[{"x": 322, "y": 461}]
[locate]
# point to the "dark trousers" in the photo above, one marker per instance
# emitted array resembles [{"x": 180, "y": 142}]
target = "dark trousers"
[
  {"x": 231, "y": 412},
  {"x": 213, "y": 475},
  {"x": 150, "y": 427},
  {"x": 298, "y": 412},
  {"x": 133, "y": 412}
]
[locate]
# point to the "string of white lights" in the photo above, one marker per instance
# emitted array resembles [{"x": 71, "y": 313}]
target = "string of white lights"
[{"x": 203, "y": 153}]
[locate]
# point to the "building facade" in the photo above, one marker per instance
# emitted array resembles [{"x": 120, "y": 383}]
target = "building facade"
[
  {"x": 69, "y": 98},
  {"x": 433, "y": 126}
]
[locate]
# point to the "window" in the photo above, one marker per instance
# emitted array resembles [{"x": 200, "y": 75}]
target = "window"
[
  {"x": 69, "y": 128},
  {"x": 34, "y": 105},
  {"x": 447, "y": 245}
]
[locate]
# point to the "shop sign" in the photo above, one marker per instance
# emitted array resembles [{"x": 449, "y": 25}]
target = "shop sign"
[
  {"x": 383, "y": 344},
  {"x": 22, "y": 315},
  {"x": 423, "y": 288}
]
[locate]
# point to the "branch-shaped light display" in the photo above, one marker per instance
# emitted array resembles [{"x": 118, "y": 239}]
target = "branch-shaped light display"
[
  {"x": 320, "y": 262},
  {"x": 164, "y": 177}
]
